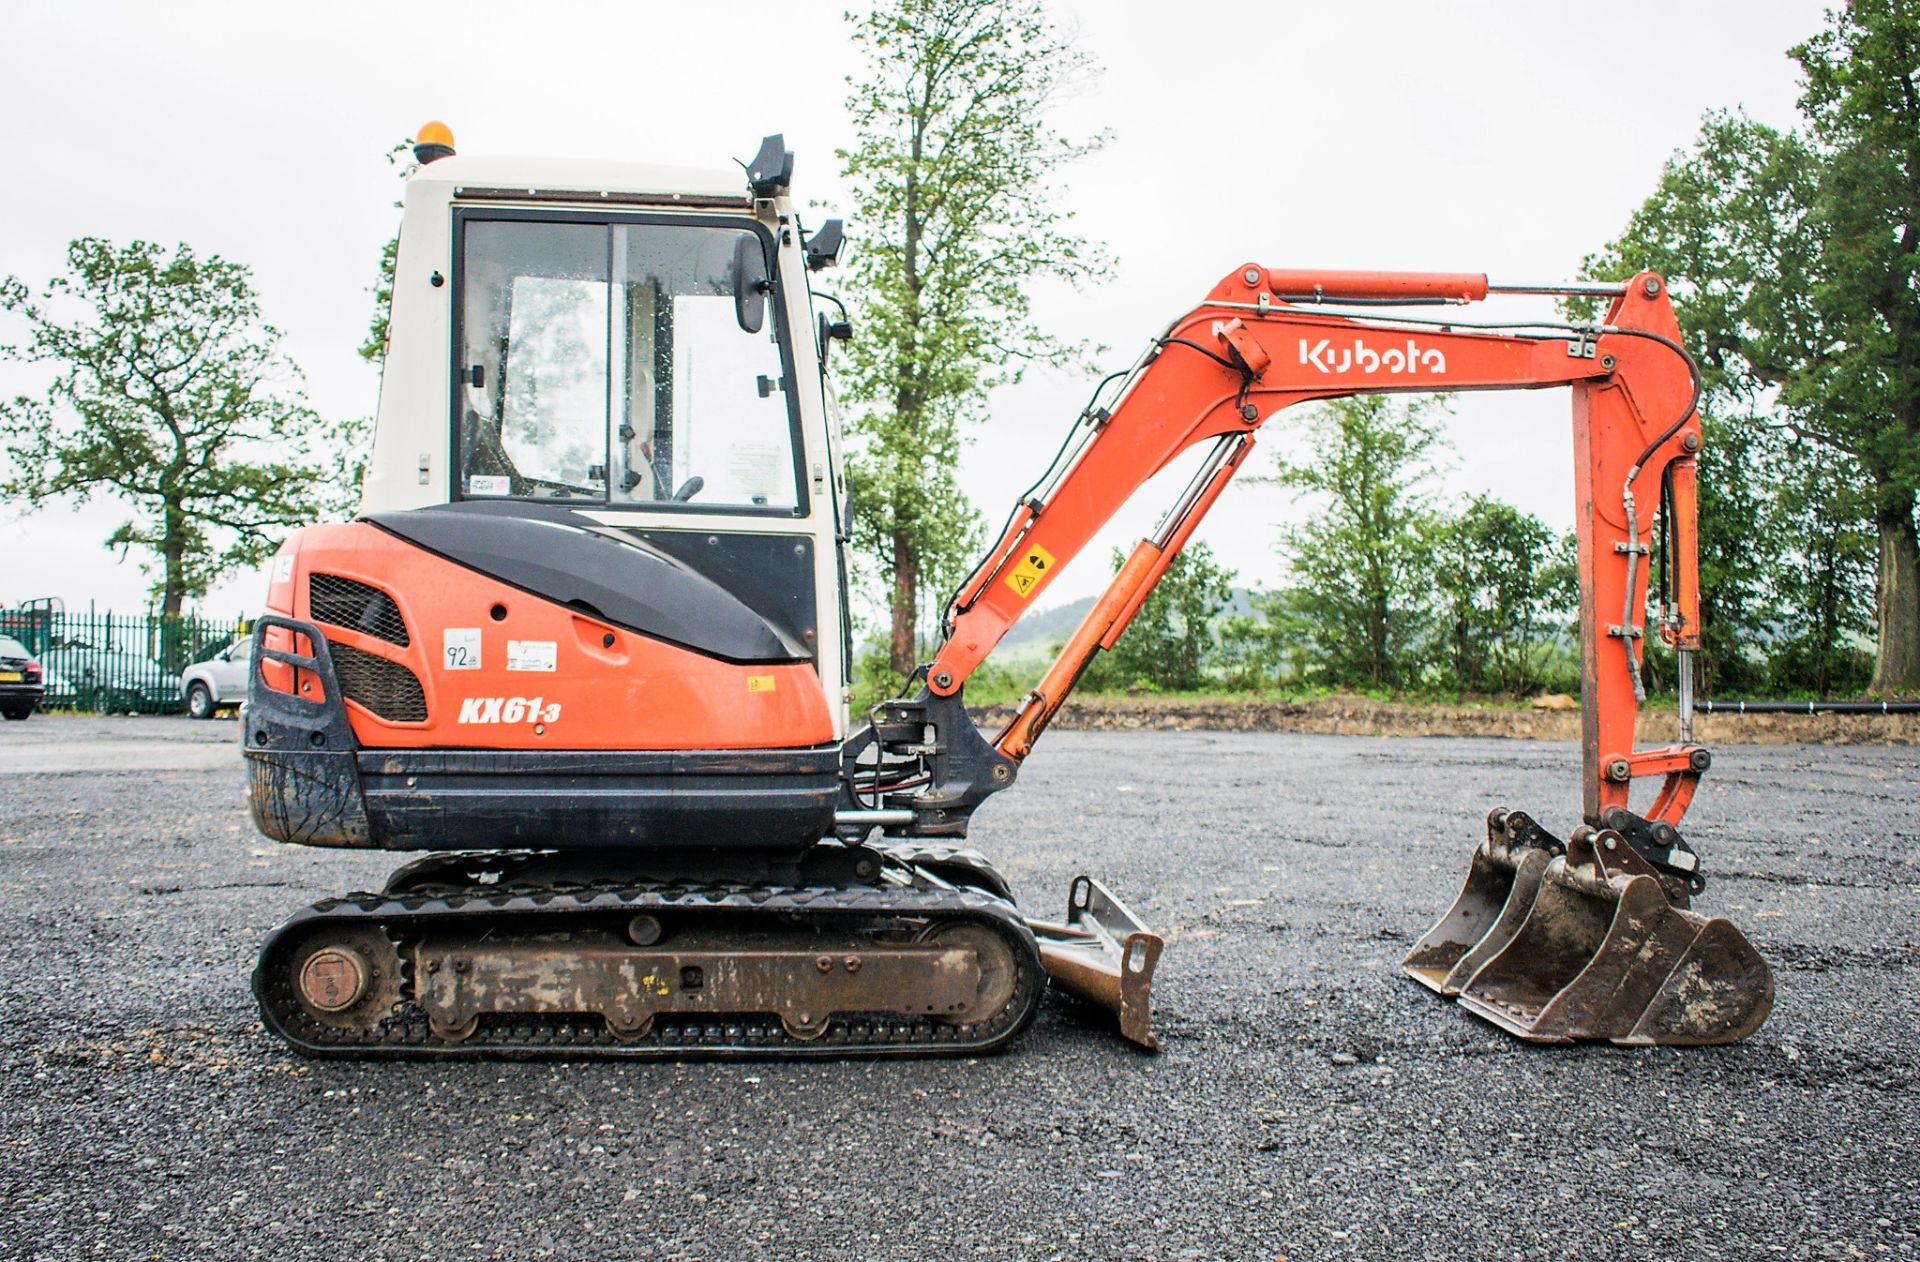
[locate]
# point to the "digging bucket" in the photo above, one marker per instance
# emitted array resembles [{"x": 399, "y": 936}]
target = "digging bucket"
[
  {"x": 1605, "y": 953},
  {"x": 1503, "y": 878}
]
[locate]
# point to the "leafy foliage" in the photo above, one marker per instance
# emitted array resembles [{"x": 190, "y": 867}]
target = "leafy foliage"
[
  {"x": 1730, "y": 228},
  {"x": 1503, "y": 580},
  {"x": 1361, "y": 566},
  {"x": 172, "y": 394},
  {"x": 1862, "y": 98},
  {"x": 1263, "y": 649},
  {"x": 374, "y": 349},
  {"x": 1825, "y": 576},
  {"x": 953, "y": 176},
  {"x": 1171, "y": 639}
]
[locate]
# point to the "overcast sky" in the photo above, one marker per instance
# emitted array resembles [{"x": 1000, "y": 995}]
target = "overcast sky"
[{"x": 1507, "y": 138}]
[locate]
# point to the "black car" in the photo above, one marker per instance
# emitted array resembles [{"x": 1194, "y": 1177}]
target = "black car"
[{"x": 21, "y": 686}]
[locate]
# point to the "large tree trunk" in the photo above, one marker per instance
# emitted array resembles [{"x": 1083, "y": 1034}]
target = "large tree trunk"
[
  {"x": 173, "y": 551},
  {"x": 1896, "y": 664},
  {"x": 901, "y": 653}
]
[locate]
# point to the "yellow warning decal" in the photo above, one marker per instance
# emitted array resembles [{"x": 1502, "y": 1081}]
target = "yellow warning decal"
[
  {"x": 760, "y": 683},
  {"x": 1032, "y": 568}
]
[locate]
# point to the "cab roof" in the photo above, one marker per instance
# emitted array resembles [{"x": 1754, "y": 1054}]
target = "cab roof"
[{"x": 499, "y": 172}]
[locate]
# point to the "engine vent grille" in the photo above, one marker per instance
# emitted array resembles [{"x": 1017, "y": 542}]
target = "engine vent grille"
[
  {"x": 355, "y": 606},
  {"x": 388, "y": 689}
]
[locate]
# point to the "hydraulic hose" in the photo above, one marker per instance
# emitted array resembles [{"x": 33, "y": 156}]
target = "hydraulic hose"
[{"x": 1626, "y": 499}]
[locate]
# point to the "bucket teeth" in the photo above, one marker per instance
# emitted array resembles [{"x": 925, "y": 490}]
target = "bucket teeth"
[{"x": 1589, "y": 945}]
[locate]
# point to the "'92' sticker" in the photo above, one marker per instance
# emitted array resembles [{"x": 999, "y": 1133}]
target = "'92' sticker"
[{"x": 462, "y": 650}]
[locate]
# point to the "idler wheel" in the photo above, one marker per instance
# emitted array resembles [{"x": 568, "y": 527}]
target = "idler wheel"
[
  {"x": 347, "y": 977},
  {"x": 334, "y": 979},
  {"x": 805, "y": 1026}
]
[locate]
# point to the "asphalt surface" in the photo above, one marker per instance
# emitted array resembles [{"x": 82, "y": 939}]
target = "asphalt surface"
[{"x": 1310, "y": 1102}]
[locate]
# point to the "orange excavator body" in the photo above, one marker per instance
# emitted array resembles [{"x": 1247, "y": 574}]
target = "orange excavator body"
[{"x": 590, "y": 684}]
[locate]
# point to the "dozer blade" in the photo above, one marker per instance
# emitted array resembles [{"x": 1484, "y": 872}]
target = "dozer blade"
[
  {"x": 1604, "y": 954},
  {"x": 1503, "y": 878},
  {"x": 1104, "y": 955}
]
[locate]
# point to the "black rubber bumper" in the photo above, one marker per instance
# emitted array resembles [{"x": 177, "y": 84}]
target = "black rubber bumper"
[{"x": 309, "y": 782}]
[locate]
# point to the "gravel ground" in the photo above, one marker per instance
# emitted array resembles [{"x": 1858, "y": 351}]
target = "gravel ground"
[{"x": 1310, "y": 1103}]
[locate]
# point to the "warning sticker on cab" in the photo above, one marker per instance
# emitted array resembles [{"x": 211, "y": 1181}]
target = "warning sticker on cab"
[
  {"x": 761, "y": 683},
  {"x": 1027, "y": 575},
  {"x": 531, "y": 655}
]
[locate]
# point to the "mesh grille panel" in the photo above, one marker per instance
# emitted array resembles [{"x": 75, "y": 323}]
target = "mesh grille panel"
[
  {"x": 387, "y": 688},
  {"x": 355, "y": 606}
]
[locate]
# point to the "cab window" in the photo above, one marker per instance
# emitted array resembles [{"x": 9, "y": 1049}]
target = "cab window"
[{"x": 608, "y": 362}]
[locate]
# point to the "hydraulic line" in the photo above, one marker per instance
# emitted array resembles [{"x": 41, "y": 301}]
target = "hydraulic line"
[
  {"x": 1626, "y": 499},
  {"x": 1090, "y": 416}
]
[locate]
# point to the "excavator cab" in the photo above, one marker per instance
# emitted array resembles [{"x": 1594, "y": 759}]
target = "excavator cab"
[
  {"x": 584, "y": 347},
  {"x": 592, "y": 598}
]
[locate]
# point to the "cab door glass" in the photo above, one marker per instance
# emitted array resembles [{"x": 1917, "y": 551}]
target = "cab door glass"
[
  {"x": 533, "y": 375},
  {"x": 704, "y": 414}
]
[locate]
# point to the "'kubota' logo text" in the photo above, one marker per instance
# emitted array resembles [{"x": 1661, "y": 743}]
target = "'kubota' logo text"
[
  {"x": 509, "y": 710},
  {"x": 1360, "y": 357}
]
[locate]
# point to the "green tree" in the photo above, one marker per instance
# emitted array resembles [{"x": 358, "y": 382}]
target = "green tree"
[
  {"x": 1361, "y": 566},
  {"x": 1255, "y": 650},
  {"x": 1496, "y": 577},
  {"x": 1827, "y": 574},
  {"x": 172, "y": 394},
  {"x": 1863, "y": 99},
  {"x": 1793, "y": 258},
  {"x": 1728, "y": 227},
  {"x": 953, "y": 176},
  {"x": 1171, "y": 638}
]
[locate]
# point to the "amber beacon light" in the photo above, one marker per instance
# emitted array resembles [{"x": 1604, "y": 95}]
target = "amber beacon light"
[{"x": 433, "y": 142}]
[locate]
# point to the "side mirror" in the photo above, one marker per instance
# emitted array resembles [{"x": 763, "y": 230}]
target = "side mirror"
[
  {"x": 830, "y": 331},
  {"x": 748, "y": 276}
]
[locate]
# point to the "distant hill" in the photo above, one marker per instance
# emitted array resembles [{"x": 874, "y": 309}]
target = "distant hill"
[{"x": 1040, "y": 631}]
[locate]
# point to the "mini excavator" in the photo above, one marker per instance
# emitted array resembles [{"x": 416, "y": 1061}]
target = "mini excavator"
[{"x": 587, "y": 647}]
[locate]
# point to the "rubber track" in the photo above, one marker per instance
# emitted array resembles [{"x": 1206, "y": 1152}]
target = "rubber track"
[{"x": 405, "y": 1033}]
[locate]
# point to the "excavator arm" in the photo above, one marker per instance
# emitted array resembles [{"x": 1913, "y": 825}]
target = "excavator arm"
[{"x": 1265, "y": 340}]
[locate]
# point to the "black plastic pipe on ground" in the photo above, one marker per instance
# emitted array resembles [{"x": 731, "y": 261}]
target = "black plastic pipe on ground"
[{"x": 1806, "y": 707}]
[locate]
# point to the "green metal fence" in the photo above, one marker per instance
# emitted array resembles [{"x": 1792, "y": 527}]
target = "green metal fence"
[{"x": 116, "y": 663}]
